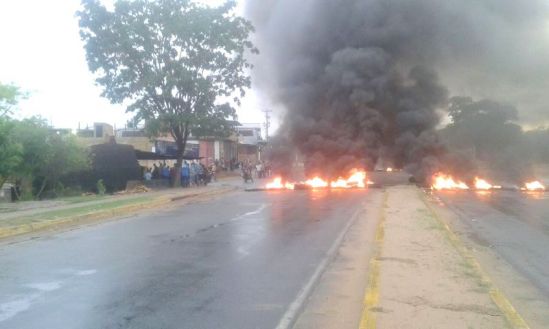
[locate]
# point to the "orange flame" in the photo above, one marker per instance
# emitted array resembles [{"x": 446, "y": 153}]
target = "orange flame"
[
  {"x": 357, "y": 179},
  {"x": 482, "y": 184},
  {"x": 534, "y": 186},
  {"x": 277, "y": 184},
  {"x": 445, "y": 182},
  {"x": 317, "y": 182}
]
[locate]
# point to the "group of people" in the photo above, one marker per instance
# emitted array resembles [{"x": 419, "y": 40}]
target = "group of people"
[
  {"x": 259, "y": 170},
  {"x": 193, "y": 173},
  {"x": 196, "y": 173}
]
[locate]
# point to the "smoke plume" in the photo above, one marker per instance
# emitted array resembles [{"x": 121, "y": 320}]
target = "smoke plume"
[{"x": 363, "y": 80}]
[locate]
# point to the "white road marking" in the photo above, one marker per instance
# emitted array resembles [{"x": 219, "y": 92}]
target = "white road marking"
[
  {"x": 250, "y": 213},
  {"x": 295, "y": 307},
  {"x": 45, "y": 286},
  {"x": 255, "y": 212},
  {"x": 86, "y": 272},
  {"x": 10, "y": 309},
  {"x": 244, "y": 249}
]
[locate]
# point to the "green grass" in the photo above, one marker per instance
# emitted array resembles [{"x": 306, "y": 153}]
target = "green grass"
[
  {"x": 6, "y": 210},
  {"x": 72, "y": 212},
  {"x": 82, "y": 198}
]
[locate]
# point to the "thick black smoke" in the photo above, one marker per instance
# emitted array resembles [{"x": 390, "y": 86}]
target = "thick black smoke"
[{"x": 359, "y": 81}]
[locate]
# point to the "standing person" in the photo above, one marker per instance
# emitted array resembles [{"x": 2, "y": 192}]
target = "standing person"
[
  {"x": 214, "y": 170},
  {"x": 267, "y": 169},
  {"x": 259, "y": 169},
  {"x": 206, "y": 177},
  {"x": 166, "y": 172},
  {"x": 194, "y": 173},
  {"x": 247, "y": 173},
  {"x": 175, "y": 175},
  {"x": 185, "y": 175},
  {"x": 148, "y": 175},
  {"x": 155, "y": 172},
  {"x": 200, "y": 172}
]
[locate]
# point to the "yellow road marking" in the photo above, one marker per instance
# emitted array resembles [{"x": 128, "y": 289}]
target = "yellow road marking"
[
  {"x": 371, "y": 297},
  {"x": 498, "y": 297}
]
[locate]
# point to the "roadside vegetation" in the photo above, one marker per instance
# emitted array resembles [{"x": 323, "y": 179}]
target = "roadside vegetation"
[{"x": 33, "y": 156}]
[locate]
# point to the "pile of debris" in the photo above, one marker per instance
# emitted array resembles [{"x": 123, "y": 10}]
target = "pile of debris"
[{"x": 136, "y": 189}]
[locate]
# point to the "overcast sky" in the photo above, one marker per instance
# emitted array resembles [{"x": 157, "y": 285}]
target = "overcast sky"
[{"x": 42, "y": 53}]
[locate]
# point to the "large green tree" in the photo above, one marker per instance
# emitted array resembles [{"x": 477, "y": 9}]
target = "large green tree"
[
  {"x": 46, "y": 155},
  {"x": 171, "y": 61},
  {"x": 10, "y": 95},
  {"x": 485, "y": 126},
  {"x": 487, "y": 131},
  {"x": 10, "y": 148}
]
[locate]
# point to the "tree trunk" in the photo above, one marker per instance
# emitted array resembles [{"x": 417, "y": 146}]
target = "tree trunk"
[
  {"x": 181, "y": 145},
  {"x": 17, "y": 189},
  {"x": 42, "y": 188}
]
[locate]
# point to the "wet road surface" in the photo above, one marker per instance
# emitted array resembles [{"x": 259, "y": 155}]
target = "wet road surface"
[
  {"x": 234, "y": 262},
  {"x": 513, "y": 224}
]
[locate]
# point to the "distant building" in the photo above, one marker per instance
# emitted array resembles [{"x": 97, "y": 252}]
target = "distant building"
[
  {"x": 250, "y": 142},
  {"x": 99, "y": 130},
  {"x": 6, "y": 193},
  {"x": 249, "y": 134},
  {"x": 244, "y": 145},
  {"x": 61, "y": 131},
  {"x": 216, "y": 149}
]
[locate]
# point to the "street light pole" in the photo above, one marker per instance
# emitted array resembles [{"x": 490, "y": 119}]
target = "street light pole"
[{"x": 267, "y": 123}]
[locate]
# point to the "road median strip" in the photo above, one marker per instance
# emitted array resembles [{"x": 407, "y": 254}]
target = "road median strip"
[
  {"x": 421, "y": 275},
  {"x": 89, "y": 213},
  {"x": 371, "y": 297},
  {"x": 497, "y": 296}
]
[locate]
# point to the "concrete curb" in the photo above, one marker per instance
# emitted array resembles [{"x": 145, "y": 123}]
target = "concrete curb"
[
  {"x": 90, "y": 217},
  {"x": 371, "y": 295}
]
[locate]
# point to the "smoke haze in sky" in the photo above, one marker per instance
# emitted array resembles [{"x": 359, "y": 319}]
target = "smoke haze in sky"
[{"x": 362, "y": 79}]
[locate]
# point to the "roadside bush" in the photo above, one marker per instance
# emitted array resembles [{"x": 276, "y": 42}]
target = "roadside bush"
[{"x": 101, "y": 189}]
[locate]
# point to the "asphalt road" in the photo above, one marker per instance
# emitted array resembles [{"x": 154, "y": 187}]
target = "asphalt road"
[
  {"x": 237, "y": 261},
  {"x": 513, "y": 224}
]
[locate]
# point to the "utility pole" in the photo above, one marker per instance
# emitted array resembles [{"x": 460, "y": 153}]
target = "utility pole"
[{"x": 267, "y": 123}]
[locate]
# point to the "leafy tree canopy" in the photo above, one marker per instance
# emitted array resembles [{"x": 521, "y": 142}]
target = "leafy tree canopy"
[
  {"x": 10, "y": 95},
  {"x": 487, "y": 130},
  {"x": 46, "y": 156},
  {"x": 464, "y": 109},
  {"x": 171, "y": 61},
  {"x": 10, "y": 150},
  {"x": 484, "y": 125}
]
